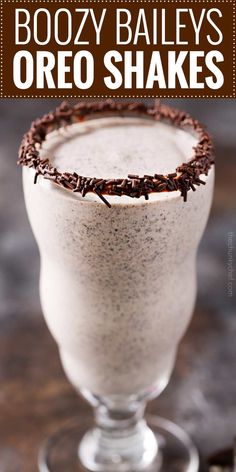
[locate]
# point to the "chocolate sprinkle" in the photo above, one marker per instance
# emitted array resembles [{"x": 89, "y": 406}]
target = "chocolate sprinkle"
[{"x": 183, "y": 179}]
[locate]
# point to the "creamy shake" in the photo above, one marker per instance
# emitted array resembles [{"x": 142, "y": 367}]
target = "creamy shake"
[{"x": 117, "y": 284}]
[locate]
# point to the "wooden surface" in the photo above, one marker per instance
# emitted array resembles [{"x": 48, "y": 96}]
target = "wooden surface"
[{"x": 35, "y": 397}]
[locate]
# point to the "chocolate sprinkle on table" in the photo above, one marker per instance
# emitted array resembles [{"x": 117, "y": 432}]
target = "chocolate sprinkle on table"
[{"x": 183, "y": 178}]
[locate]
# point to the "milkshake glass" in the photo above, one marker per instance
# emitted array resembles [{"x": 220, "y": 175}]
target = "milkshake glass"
[{"x": 118, "y": 263}]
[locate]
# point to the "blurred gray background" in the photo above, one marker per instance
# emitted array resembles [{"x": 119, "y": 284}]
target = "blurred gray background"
[{"x": 35, "y": 398}]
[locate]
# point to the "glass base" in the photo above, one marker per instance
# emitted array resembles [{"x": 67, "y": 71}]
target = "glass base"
[{"x": 176, "y": 452}]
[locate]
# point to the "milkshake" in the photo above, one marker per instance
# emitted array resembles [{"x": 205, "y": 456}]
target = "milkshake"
[{"x": 118, "y": 270}]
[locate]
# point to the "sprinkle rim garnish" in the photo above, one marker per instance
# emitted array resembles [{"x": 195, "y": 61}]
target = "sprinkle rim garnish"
[{"x": 185, "y": 177}]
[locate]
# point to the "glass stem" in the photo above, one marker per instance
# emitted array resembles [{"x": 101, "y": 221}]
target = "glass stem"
[
  {"x": 121, "y": 439},
  {"x": 119, "y": 418}
]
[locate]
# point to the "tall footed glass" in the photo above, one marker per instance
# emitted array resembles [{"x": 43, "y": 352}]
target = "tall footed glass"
[{"x": 117, "y": 288}]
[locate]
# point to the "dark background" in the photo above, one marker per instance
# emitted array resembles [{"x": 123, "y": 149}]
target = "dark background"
[{"x": 35, "y": 397}]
